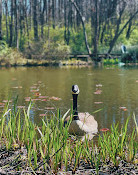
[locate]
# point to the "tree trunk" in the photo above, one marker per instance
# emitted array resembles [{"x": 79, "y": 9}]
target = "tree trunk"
[
  {"x": 83, "y": 25},
  {"x": 11, "y": 25},
  {"x": 70, "y": 20},
  {"x": 46, "y": 14},
  {"x": 35, "y": 19},
  {"x": 0, "y": 19},
  {"x": 78, "y": 15},
  {"x": 23, "y": 17},
  {"x": 102, "y": 34},
  {"x": 16, "y": 23},
  {"x": 96, "y": 28},
  {"x": 53, "y": 13},
  {"x": 129, "y": 30},
  {"x": 59, "y": 10},
  {"x": 42, "y": 17},
  {"x": 7, "y": 31},
  {"x": 31, "y": 13},
  {"x": 27, "y": 26},
  {"x": 49, "y": 15},
  {"x": 65, "y": 21}
]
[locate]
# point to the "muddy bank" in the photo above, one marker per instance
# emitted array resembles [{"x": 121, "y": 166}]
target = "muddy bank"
[
  {"x": 33, "y": 62},
  {"x": 15, "y": 162}
]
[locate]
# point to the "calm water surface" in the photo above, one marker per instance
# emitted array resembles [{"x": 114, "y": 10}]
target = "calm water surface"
[{"x": 114, "y": 90}]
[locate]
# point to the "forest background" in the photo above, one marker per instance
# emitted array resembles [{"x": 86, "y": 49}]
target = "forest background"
[{"x": 54, "y": 29}]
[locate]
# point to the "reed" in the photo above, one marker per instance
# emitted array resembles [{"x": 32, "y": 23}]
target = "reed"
[
  {"x": 50, "y": 147},
  {"x": 134, "y": 117},
  {"x": 117, "y": 145}
]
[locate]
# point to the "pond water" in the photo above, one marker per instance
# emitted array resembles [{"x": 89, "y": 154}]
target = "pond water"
[{"x": 112, "y": 91}]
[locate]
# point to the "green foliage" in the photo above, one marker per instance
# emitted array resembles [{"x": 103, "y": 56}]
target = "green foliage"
[
  {"x": 55, "y": 51},
  {"x": 77, "y": 41},
  {"x": 110, "y": 61},
  {"x": 53, "y": 42},
  {"x": 10, "y": 56},
  {"x": 132, "y": 41},
  {"x": 4, "y": 49},
  {"x": 50, "y": 47},
  {"x": 51, "y": 146},
  {"x": 131, "y": 56},
  {"x": 55, "y": 35},
  {"x": 47, "y": 50},
  {"x": 117, "y": 144}
]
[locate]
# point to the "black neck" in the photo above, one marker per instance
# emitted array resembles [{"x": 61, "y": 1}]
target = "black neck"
[{"x": 75, "y": 111}]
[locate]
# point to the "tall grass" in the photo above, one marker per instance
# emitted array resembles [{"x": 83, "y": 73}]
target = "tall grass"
[{"x": 51, "y": 147}]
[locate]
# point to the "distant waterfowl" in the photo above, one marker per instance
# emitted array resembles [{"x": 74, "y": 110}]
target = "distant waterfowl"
[
  {"x": 82, "y": 123},
  {"x": 124, "y": 51},
  {"x": 123, "y": 48}
]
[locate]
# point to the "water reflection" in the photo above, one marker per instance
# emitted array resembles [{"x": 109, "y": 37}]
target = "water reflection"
[{"x": 100, "y": 88}]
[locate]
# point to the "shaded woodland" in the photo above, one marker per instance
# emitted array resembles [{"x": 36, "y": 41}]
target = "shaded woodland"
[{"x": 67, "y": 26}]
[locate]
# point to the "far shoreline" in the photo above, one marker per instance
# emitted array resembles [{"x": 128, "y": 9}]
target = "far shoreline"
[{"x": 24, "y": 62}]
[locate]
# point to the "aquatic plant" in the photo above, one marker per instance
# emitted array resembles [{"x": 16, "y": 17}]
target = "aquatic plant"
[
  {"x": 111, "y": 61},
  {"x": 51, "y": 148}
]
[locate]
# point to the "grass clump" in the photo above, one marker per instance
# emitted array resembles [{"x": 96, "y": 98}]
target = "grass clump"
[
  {"x": 50, "y": 148},
  {"x": 110, "y": 61},
  {"x": 117, "y": 146}
]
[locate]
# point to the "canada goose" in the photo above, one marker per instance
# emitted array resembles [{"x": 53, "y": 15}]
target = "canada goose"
[{"x": 82, "y": 123}]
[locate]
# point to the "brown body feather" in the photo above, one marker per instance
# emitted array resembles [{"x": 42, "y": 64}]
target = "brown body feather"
[{"x": 84, "y": 125}]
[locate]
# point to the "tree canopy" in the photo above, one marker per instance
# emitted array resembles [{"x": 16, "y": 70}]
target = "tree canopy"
[{"x": 83, "y": 25}]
